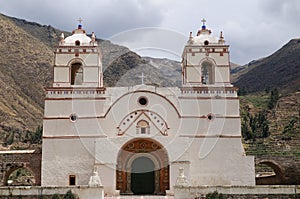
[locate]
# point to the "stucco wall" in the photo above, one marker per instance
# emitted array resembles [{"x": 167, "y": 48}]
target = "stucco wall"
[
  {"x": 83, "y": 192},
  {"x": 241, "y": 192}
]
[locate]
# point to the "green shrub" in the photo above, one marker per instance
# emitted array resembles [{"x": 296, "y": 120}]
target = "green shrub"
[
  {"x": 69, "y": 195},
  {"x": 215, "y": 195},
  {"x": 56, "y": 196}
]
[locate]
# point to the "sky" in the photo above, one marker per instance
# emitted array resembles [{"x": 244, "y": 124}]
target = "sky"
[{"x": 160, "y": 28}]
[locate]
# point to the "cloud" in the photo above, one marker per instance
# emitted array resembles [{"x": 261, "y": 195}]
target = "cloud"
[
  {"x": 155, "y": 42},
  {"x": 105, "y": 17},
  {"x": 253, "y": 28}
]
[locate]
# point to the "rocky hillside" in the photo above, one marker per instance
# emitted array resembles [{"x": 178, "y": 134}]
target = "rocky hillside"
[
  {"x": 26, "y": 61},
  {"x": 128, "y": 69},
  {"x": 26, "y": 58},
  {"x": 280, "y": 70},
  {"x": 25, "y": 68},
  {"x": 283, "y": 124}
]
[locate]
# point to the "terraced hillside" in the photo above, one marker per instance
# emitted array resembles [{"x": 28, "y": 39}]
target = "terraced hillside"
[{"x": 284, "y": 125}]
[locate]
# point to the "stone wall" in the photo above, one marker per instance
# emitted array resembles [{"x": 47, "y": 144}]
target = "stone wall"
[
  {"x": 12, "y": 161},
  {"x": 239, "y": 192},
  {"x": 286, "y": 168},
  {"x": 83, "y": 192}
]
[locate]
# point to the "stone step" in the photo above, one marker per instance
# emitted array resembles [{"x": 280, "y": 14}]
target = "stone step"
[{"x": 139, "y": 197}]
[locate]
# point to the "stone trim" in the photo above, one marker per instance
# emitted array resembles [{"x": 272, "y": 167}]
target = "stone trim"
[{"x": 74, "y": 137}]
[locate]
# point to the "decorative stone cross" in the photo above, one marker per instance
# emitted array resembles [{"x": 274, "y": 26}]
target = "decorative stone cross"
[{"x": 142, "y": 77}]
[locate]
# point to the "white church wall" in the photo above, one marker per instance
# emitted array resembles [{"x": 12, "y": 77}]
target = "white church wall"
[
  {"x": 61, "y": 74},
  {"x": 90, "y": 59},
  {"x": 108, "y": 129},
  {"x": 127, "y": 104},
  {"x": 107, "y": 149},
  {"x": 194, "y": 59},
  {"x": 65, "y": 157},
  {"x": 220, "y": 60},
  {"x": 83, "y": 108},
  {"x": 210, "y": 153},
  {"x": 202, "y": 107},
  {"x": 193, "y": 74},
  {"x": 107, "y": 173},
  {"x": 216, "y": 127},
  {"x": 91, "y": 74},
  {"x": 65, "y": 127},
  {"x": 222, "y": 74},
  {"x": 63, "y": 59}
]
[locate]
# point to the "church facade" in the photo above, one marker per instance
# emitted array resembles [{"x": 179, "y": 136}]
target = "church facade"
[{"x": 139, "y": 138}]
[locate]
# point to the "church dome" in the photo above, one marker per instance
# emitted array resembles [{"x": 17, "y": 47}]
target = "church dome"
[
  {"x": 205, "y": 38},
  {"x": 78, "y": 38}
]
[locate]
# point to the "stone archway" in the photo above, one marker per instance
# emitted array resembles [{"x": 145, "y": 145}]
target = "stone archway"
[
  {"x": 25, "y": 180},
  {"x": 276, "y": 179},
  {"x": 134, "y": 153},
  {"x": 11, "y": 161}
]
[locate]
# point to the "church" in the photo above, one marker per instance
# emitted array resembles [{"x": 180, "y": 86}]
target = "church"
[{"x": 141, "y": 139}]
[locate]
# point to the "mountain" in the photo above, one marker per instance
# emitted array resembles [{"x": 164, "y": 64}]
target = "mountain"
[
  {"x": 128, "y": 69},
  {"x": 169, "y": 69},
  {"x": 25, "y": 68},
  {"x": 280, "y": 70},
  {"x": 26, "y": 61}
]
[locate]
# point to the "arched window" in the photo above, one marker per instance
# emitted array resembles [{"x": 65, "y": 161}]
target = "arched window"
[
  {"x": 207, "y": 73},
  {"x": 76, "y": 74},
  {"x": 142, "y": 127},
  {"x": 77, "y": 43}
]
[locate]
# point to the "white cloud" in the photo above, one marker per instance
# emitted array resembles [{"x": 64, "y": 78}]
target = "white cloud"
[{"x": 253, "y": 28}]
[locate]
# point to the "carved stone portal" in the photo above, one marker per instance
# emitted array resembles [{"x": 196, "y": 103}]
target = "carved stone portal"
[{"x": 142, "y": 149}]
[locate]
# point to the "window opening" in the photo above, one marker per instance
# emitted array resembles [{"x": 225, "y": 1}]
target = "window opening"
[
  {"x": 143, "y": 127},
  {"x": 76, "y": 74},
  {"x": 72, "y": 180},
  {"x": 206, "y": 71}
]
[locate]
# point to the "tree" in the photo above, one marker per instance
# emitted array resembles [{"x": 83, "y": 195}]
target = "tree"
[
  {"x": 256, "y": 126},
  {"x": 9, "y": 139},
  {"x": 290, "y": 127},
  {"x": 242, "y": 91},
  {"x": 36, "y": 137},
  {"x": 273, "y": 98}
]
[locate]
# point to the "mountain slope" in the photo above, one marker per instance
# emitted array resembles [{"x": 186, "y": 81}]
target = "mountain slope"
[
  {"x": 24, "y": 70},
  {"x": 26, "y": 61},
  {"x": 280, "y": 70}
]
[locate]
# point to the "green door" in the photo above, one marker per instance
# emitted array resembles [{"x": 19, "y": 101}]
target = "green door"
[{"x": 142, "y": 176}]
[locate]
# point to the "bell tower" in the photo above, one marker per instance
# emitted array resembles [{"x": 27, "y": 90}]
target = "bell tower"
[
  {"x": 205, "y": 60},
  {"x": 78, "y": 61}
]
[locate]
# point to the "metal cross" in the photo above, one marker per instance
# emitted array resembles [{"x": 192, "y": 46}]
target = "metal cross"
[
  {"x": 203, "y": 21},
  {"x": 80, "y": 20}
]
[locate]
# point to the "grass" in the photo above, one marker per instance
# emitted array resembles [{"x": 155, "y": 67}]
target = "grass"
[{"x": 258, "y": 101}]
